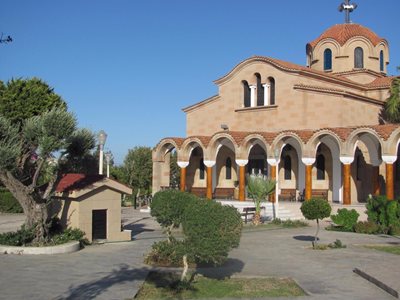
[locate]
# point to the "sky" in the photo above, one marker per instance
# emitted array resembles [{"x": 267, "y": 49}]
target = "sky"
[{"x": 128, "y": 67}]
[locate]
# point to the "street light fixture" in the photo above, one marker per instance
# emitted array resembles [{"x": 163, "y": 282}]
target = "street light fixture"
[{"x": 102, "y": 140}]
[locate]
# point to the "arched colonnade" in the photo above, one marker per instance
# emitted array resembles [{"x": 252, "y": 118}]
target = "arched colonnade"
[{"x": 347, "y": 164}]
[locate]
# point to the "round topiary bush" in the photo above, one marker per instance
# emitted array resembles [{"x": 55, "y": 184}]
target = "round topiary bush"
[
  {"x": 168, "y": 207},
  {"x": 211, "y": 231},
  {"x": 316, "y": 209}
]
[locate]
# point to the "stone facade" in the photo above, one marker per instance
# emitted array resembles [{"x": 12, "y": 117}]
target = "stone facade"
[{"x": 321, "y": 125}]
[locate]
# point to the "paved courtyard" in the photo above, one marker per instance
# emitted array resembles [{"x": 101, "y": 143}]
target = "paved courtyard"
[{"x": 116, "y": 270}]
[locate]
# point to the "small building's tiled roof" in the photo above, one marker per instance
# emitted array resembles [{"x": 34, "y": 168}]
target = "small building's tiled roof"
[
  {"x": 381, "y": 82},
  {"x": 73, "y": 181},
  {"x": 343, "y": 32}
]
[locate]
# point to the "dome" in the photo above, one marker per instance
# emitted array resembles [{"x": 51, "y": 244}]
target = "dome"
[{"x": 343, "y": 32}]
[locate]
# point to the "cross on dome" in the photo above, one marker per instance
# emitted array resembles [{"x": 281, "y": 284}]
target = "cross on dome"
[{"x": 347, "y": 8}]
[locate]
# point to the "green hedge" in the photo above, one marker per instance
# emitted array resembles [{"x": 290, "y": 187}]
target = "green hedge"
[
  {"x": 346, "y": 219},
  {"x": 8, "y": 204}
]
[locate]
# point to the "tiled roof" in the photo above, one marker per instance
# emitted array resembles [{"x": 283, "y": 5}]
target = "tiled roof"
[
  {"x": 72, "y": 181},
  {"x": 383, "y": 82},
  {"x": 383, "y": 131},
  {"x": 343, "y": 32}
]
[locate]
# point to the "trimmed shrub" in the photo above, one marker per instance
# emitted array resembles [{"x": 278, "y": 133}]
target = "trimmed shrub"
[
  {"x": 211, "y": 231},
  {"x": 8, "y": 203},
  {"x": 166, "y": 253},
  {"x": 316, "y": 209},
  {"x": 394, "y": 230},
  {"x": 367, "y": 227},
  {"x": 168, "y": 207},
  {"x": 382, "y": 211},
  {"x": 69, "y": 234},
  {"x": 346, "y": 218},
  {"x": 21, "y": 237}
]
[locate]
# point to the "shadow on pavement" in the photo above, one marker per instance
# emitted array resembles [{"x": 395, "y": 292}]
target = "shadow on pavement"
[
  {"x": 305, "y": 238},
  {"x": 229, "y": 268},
  {"x": 95, "y": 288}
]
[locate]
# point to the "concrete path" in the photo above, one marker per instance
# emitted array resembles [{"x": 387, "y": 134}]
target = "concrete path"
[
  {"x": 116, "y": 271},
  {"x": 108, "y": 271}
]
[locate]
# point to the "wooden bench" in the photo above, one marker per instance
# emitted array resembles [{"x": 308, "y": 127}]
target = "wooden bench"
[
  {"x": 287, "y": 194},
  {"x": 224, "y": 193},
  {"x": 320, "y": 193},
  {"x": 249, "y": 211},
  {"x": 315, "y": 193},
  {"x": 199, "y": 191}
]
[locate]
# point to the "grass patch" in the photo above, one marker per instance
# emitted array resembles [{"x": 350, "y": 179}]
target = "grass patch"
[
  {"x": 160, "y": 285},
  {"x": 394, "y": 249}
]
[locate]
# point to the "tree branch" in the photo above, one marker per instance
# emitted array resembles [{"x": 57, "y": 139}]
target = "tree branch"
[{"x": 37, "y": 173}]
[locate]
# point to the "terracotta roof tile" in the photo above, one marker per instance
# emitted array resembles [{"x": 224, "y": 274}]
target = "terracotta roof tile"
[
  {"x": 72, "y": 181},
  {"x": 384, "y": 82},
  {"x": 343, "y": 32}
]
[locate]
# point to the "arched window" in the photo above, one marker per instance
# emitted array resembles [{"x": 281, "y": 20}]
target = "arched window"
[
  {"x": 358, "y": 58},
  {"x": 327, "y": 59},
  {"x": 320, "y": 164},
  {"x": 271, "y": 90},
  {"x": 246, "y": 94},
  {"x": 202, "y": 167},
  {"x": 381, "y": 61},
  {"x": 228, "y": 168},
  {"x": 260, "y": 91},
  {"x": 287, "y": 165}
]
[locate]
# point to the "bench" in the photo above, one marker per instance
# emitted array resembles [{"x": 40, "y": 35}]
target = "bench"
[
  {"x": 224, "y": 193},
  {"x": 249, "y": 211},
  {"x": 287, "y": 194},
  {"x": 315, "y": 193},
  {"x": 320, "y": 193},
  {"x": 199, "y": 191}
]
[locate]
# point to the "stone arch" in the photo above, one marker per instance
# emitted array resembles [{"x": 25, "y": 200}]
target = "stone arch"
[
  {"x": 371, "y": 140},
  {"x": 216, "y": 142},
  {"x": 278, "y": 148},
  {"x": 189, "y": 145},
  {"x": 365, "y": 146},
  {"x": 391, "y": 145},
  {"x": 249, "y": 142},
  {"x": 161, "y": 156},
  {"x": 335, "y": 145}
]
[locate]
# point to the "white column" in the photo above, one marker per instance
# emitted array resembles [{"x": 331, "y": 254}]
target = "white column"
[
  {"x": 253, "y": 95},
  {"x": 266, "y": 94}
]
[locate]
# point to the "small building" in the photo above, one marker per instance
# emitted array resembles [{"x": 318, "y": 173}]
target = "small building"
[{"x": 91, "y": 203}]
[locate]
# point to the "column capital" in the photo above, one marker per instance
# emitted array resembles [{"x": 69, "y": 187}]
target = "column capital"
[
  {"x": 266, "y": 85},
  {"x": 308, "y": 160},
  {"x": 346, "y": 160},
  {"x": 241, "y": 162},
  {"x": 183, "y": 164},
  {"x": 273, "y": 161},
  {"x": 209, "y": 163},
  {"x": 252, "y": 86},
  {"x": 389, "y": 159}
]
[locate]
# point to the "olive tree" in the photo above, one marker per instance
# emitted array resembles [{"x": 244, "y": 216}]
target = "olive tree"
[{"x": 34, "y": 157}]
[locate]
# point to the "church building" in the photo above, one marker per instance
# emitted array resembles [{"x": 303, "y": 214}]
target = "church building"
[{"x": 317, "y": 129}]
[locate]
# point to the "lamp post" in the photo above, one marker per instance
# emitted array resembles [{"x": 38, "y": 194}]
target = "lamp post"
[
  {"x": 108, "y": 159},
  {"x": 102, "y": 140}
]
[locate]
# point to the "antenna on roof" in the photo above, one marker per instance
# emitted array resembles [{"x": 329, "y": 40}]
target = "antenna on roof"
[{"x": 348, "y": 8}]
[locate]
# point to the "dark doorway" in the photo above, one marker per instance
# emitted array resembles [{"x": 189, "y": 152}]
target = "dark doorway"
[{"x": 99, "y": 224}]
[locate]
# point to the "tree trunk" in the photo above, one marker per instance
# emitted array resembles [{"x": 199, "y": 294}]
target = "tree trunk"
[
  {"x": 316, "y": 236},
  {"x": 34, "y": 207},
  {"x": 185, "y": 268},
  {"x": 257, "y": 218}
]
